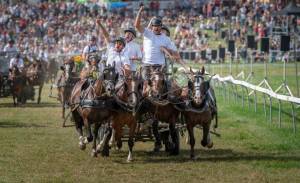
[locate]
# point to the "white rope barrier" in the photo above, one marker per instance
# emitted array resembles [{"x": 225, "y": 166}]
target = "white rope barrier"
[{"x": 257, "y": 88}]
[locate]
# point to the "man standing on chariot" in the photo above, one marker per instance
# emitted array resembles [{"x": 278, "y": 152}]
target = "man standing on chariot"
[
  {"x": 132, "y": 48},
  {"x": 155, "y": 44},
  {"x": 116, "y": 54}
]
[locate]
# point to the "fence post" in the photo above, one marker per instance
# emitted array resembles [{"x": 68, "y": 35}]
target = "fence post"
[
  {"x": 243, "y": 97},
  {"x": 255, "y": 102},
  {"x": 279, "y": 111},
  {"x": 270, "y": 109},
  {"x": 265, "y": 110},
  {"x": 293, "y": 114}
]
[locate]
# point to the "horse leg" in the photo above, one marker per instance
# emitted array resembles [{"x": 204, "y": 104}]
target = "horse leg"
[
  {"x": 175, "y": 140},
  {"x": 63, "y": 111},
  {"x": 157, "y": 144},
  {"x": 88, "y": 130},
  {"x": 40, "y": 92},
  {"x": 14, "y": 99},
  {"x": 105, "y": 151},
  {"x": 131, "y": 140},
  {"x": 103, "y": 135},
  {"x": 78, "y": 125},
  {"x": 96, "y": 129},
  {"x": 190, "y": 129},
  {"x": 112, "y": 140},
  {"x": 206, "y": 140}
]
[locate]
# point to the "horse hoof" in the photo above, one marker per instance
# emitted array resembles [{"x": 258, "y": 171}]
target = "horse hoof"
[
  {"x": 105, "y": 154},
  {"x": 94, "y": 153},
  {"x": 174, "y": 152},
  {"x": 82, "y": 146},
  {"x": 129, "y": 160},
  {"x": 204, "y": 144},
  {"x": 90, "y": 138},
  {"x": 210, "y": 145},
  {"x": 99, "y": 148},
  {"x": 157, "y": 148},
  {"x": 193, "y": 157}
]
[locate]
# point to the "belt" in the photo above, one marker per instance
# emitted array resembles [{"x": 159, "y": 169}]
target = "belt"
[{"x": 151, "y": 65}]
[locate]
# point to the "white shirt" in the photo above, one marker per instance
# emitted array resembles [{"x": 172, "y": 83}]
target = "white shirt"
[
  {"x": 14, "y": 62},
  {"x": 120, "y": 58},
  {"x": 11, "y": 51},
  {"x": 152, "y": 44},
  {"x": 134, "y": 51},
  {"x": 90, "y": 49}
]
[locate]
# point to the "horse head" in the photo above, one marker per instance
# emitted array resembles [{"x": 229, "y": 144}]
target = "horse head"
[
  {"x": 132, "y": 89},
  {"x": 68, "y": 67},
  {"x": 110, "y": 77},
  {"x": 199, "y": 87},
  {"x": 157, "y": 84}
]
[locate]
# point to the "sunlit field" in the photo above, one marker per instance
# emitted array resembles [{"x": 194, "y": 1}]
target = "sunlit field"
[{"x": 35, "y": 148}]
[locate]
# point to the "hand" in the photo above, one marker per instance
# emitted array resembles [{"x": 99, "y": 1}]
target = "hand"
[
  {"x": 163, "y": 49},
  {"x": 141, "y": 8}
]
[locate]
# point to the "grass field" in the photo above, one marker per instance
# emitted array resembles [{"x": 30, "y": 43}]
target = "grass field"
[{"x": 35, "y": 148}]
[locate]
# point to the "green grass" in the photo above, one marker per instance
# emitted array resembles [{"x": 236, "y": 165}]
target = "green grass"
[{"x": 35, "y": 148}]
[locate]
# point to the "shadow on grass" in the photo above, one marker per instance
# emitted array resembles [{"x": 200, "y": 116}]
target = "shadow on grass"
[
  {"x": 214, "y": 155},
  {"x": 20, "y": 125},
  {"x": 30, "y": 105}
]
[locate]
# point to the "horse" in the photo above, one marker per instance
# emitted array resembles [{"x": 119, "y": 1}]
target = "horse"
[
  {"x": 159, "y": 92},
  {"x": 65, "y": 83},
  {"x": 201, "y": 110},
  {"x": 18, "y": 85},
  {"x": 52, "y": 70},
  {"x": 36, "y": 77},
  {"x": 90, "y": 103},
  {"x": 127, "y": 97}
]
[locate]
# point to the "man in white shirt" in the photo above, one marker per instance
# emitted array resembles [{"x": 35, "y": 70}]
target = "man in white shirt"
[
  {"x": 154, "y": 42},
  {"x": 116, "y": 54},
  {"x": 16, "y": 61},
  {"x": 132, "y": 48},
  {"x": 10, "y": 48},
  {"x": 90, "y": 48}
]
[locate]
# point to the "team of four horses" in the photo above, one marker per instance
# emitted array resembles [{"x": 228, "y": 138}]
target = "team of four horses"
[{"x": 106, "y": 103}]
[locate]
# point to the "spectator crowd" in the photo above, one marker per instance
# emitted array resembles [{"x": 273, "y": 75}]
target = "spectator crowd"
[{"x": 48, "y": 28}]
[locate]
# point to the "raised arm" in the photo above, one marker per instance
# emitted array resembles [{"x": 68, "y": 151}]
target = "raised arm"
[
  {"x": 104, "y": 31},
  {"x": 149, "y": 24},
  {"x": 137, "y": 23}
]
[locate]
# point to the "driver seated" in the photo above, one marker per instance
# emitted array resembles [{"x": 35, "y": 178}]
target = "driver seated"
[
  {"x": 94, "y": 71},
  {"x": 16, "y": 61}
]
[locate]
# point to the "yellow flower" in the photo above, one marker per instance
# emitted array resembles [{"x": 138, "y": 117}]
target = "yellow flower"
[{"x": 77, "y": 58}]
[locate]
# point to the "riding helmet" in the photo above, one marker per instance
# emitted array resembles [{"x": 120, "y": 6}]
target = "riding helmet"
[
  {"x": 156, "y": 22},
  {"x": 120, "y": 39},
  {"x": 166, "y": 29},
  {"x": 131, "y": 30}
]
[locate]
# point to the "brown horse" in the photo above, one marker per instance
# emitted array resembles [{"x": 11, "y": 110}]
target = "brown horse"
[
  {"x": 91, "y": 103},
  {"x": 201, "y": 111},
  {"x": 65, "y": 83},
  {"x": 35, "y": 75},
  {"x": 162, "y": 109},
  {"x": 18, "y": 85},
  {"x": 127, "y": 97}
]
